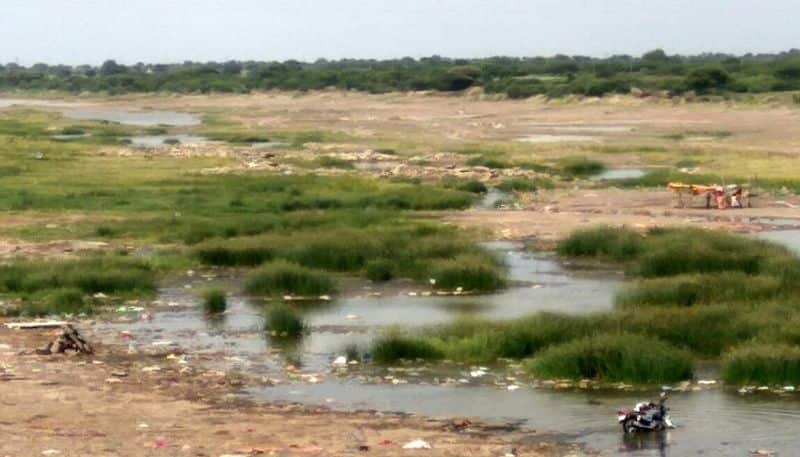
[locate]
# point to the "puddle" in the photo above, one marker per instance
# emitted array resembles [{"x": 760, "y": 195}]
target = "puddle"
[
  {"x": 68, "y": 137},
  {"x": 596, "y": 128},
  {"x": 491, "y": 199},
  {"x": 618, "y": 173},
  {"x": 139, "y": 118},
  {"x": 548, "y": 138},
  {"x": 9, "y": 102},
  {"x": 85, "y": 111},
  {"x": 158, "y": 141}
]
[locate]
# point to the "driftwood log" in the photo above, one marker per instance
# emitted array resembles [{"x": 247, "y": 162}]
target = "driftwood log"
[{"x": 69, "y": 340}]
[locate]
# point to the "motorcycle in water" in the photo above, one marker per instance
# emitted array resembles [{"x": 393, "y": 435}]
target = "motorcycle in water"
[{"x": 646, "y": 416}]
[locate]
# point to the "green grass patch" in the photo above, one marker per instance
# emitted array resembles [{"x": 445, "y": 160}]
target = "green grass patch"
[
  {"x": 335, "y": 162},
  {"x": 395, "y": 347},
  {"x": 285, "y": 278},
  {"x": 605, "y": 243},
  {"x": 214, "y": 301},
  {"x": 489, "y": 161},
  {"x": 760, "y": 364},
  {"x": 283, "y": 321},
  {"x": 613, "y": 358},
  {"x": 580, "y": 166},
  {"x": 470, "y": 272}
]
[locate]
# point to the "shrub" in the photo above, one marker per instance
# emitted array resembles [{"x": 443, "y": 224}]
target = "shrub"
[
  {"x": 281, "y": 277},
  {"x": 214, "y": 301},
  {"x": 614, "y": 358},
  {"x": 762, "y": 364},
  {"x": 393, "y": 347},
  {"x": 283, "y": 321}
]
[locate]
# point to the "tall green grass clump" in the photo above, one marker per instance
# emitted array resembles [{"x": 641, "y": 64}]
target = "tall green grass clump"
[
  {"x": 776, "y": 364},
  {"x": 613, "y": 358},
  {"x": 469, "y": 271},
  {"x": 394, "y": 347},
  {"x": 282, "y": 278},
  {"x": 581, "y": 166},
  {"x": 488, "y": 161},
  {"x": 107, "y": 274},
  {"x": 214, "y": 301},
  {"x": 57, "y": 302},
  {"x": 283, "y": 321},
  {"x": 700, "y": 289},
  {"x": 610, "y": 243},
  {"x": 517, "y": 185}
]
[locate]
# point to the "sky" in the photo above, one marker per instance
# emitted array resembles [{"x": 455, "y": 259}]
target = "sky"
[{"x": 130, "y": 31}]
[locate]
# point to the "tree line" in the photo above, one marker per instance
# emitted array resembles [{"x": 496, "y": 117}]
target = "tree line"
[{"x": 517, "y": 77}]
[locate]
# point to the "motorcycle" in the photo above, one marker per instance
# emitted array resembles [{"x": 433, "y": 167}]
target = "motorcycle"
[{"x": 646, "y": 416}]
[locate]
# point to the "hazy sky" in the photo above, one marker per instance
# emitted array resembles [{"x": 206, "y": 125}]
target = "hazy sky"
[{"x": 90, "y": 31}]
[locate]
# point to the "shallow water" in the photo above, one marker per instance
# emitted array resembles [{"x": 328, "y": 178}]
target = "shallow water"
[
  {"x": 85, "y": 111},
  {"x": 618, "y": 173},
  {"x": 550, "y": 138},
  {"x": 788, "y": 238},
  {"x": 139, "y": 118},
  {"x": 491, "y": 198},
  {"x": 157, "y": 141},
  {"x": 710, "y": 422}
]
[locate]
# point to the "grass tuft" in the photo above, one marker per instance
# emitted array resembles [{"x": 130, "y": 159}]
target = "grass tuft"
[
  {"x": 214, "y": 301},
  {"x": 771, "y": 364},
  {"x": 282, "y": 278},
  {"x": 613, "y": 358},
  {"x": 283, "y": 321}
]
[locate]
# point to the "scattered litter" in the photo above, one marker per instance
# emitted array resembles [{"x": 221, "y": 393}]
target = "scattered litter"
[
  {"x": 788, "y": 388},
  {"x": 100, "y": 295},
  {"x": 479, "y": 373},
  {"x": 352, "y": 317},
  {"x": 113, "y": 381},
  {"x": 512, "y": 387},
  {"x": 162, "y": 343},
  {"x": 151, "y": 369},
  {"x": 761, "y": 452},
  {"x": 340, "y": 361},
  {"x": 51, "y": 452},
  {"x": 325, "y": 297},
  {"x": 385, "y": 442},
  {"x": 706, "y": 382},
  {"x": 412, "y": 294},
  {"x": 142, "y": 426},
  {"x": 417, "y": 444},
  {"x": 432, "y": 281},
  {"x": 159, "y": 443}
]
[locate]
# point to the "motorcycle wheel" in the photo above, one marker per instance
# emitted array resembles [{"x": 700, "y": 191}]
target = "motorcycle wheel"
[{"x": 629, "y": 426}]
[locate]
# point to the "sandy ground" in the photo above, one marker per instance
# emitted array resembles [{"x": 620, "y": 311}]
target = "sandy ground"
[
  {"x": 105, "y": 405},
  {"x": 477, "y": 117}
]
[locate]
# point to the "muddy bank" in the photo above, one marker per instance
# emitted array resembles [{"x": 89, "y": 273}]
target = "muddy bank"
[{"x": 112, "y": 404}]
